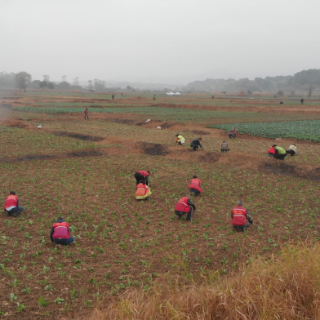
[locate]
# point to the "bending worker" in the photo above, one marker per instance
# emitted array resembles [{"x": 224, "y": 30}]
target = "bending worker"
[
  {"x": 241, "y": 219},
  {"x": 224, "y": 147},
  {"x": 292, "y": 150},
  {"x": 280, "y": 152},
  {"x": 195, "y": 186},
  {"x": 60, "y": 233},
  {"x": 184, "y": 206},
  {"x": 233, "y": 133},
  {"x": 11, "y": 205},
  {"x": 142, "y": 191},
  {"x": 195, "y": 144},
  {"x": 142, "y": 175},
  {"x": 180, "y": 139}
]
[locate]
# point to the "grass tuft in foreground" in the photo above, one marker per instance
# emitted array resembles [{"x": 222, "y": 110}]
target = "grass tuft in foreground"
[{"x": 285, "y": 286}]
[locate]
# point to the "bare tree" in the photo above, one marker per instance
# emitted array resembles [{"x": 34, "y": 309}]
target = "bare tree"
[{"x": 22, "y": 79}]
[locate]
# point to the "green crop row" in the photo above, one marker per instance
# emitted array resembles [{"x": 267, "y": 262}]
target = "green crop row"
[{"x": 302, "y": 130}]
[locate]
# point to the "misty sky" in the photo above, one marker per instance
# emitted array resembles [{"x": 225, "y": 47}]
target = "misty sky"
[{"x": 173, "y": 41}]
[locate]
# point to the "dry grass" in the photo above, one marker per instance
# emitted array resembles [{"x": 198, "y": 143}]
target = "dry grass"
[{"x": 282, "y": 287}]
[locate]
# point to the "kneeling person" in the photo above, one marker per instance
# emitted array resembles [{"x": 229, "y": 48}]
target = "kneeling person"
[
  {"x": 184, "y": 206},
  {"x": 195, "y": 186},
  {"x": 241, "y": 220},
  {"x": 142, "y": 191},
  {"x": 60, "y": 233}
]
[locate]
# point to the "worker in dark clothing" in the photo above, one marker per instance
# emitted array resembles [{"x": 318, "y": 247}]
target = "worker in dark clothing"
[
  {"x": 60, "y": 233},
  {"x": 184, "y": 206},
  {"x": 195, "y": 186},
  {"x": 241, "y": 219},
  {"x": 195, "y": 144},
  {"x": 11, "y": 205},
  {"x": 142, "y": 175},
  {"x": 301, "y": 101}
]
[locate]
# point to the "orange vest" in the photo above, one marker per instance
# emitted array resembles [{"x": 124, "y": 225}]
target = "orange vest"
[
  {"x": 11, "y": 201},
  {"x": 195, "y": 184},
  {"x": 141, "y": 190},
  {"x": 182, "y": 205},
  {"x": 239, "y": 216},
  {"x": 61, "y": 230}
]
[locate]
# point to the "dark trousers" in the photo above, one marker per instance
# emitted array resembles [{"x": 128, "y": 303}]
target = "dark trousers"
[
  {"x": 291, "y": 152},
  {"x": 189, "y": 216},
  {"x": 140, "y": 177},
  {"x": 280, "y": 156},
  {"x": 64, "y": 242},
  {"x": 232, "y": 135},
  {"x": 195, "y": 191},
  {"x": 15, "y": 211},
  {"x": 194, "y": 147},
  {"x": 242, "y": 228},
  {"x": 225, "y": 150}
]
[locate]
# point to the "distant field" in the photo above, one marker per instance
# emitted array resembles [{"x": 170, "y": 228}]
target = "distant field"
[{"x": 302, "y": 130}]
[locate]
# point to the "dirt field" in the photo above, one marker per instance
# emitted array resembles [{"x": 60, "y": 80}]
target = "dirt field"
[{"x": 83, "y": 171}]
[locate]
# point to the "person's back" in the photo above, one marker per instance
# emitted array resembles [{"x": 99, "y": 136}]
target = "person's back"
[
  {"x": 11, "y": 205},
  {"x": 60, "y": 233},
  {"x": 195, "y": 186},
  {"x": 142, "y": 191},
  {"x": 239, "y": 217},
  {"x": 224, "y": 146}
]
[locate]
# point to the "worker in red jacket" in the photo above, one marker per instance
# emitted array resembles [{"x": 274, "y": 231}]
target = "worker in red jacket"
[
  {"x": 272, "y": 151},
  {"x": 11, "y": 205},
  {"x": 60, "y": 233},
  {"x": 195, "y": 186},
  {"x": 241, "y": 219},
  {"x": 184, "y": 206},
  {"x": 142, "y": 175}
]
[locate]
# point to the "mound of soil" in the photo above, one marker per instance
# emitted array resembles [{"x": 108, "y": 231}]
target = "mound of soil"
[
  {"x": 16, "y": 124},
  {"x": 85, "y": 153},
  {"x": 199, "y": 132},
  {"x": 79, "y": 136},
  {"x": 152, "y": 149},
  {"x": 27, "y": 158},
  {"x": 209, "y": 157}
]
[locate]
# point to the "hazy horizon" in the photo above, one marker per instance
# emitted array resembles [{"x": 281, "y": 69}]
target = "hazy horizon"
[{"x": 172, "y": 42}]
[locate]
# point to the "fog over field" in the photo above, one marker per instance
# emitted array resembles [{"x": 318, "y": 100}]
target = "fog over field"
[{"x": 158, "y": 41}]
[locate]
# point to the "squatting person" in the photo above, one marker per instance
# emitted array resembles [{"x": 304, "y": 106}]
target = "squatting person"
[
  {"x": 195, "y": 186},
  {"x": 11, "y": 205},
  {"x": 241, "y": 219},
  {"x": 195, "y": 144},
  {"x": 60, "y": 233},
  {"x": 184, "y": 206},
  {"x": 142, "y": 191}
]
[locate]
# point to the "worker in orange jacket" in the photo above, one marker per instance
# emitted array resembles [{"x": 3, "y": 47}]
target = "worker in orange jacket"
[
  {"x": 11, "y": 205},
  {"x": 241, "y": 219},
  {"x": 195, "y": 186},
  {"x": 184, "y": 206},
  {"x": 60, "y": 233}
]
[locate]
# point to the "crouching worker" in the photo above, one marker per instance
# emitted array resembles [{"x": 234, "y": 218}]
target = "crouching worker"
[
  {"x": 224, "y": 147},
  {"x": 292, "y": 150},
  {"x": 142, "y": 175},
  {"x": 233, "y": 133},
  {"x": 280, "y": 153},
  {"x": 196, "y": 143},
  {"x": 195, "y": 186},
  {"x": 184, "y": 206},
  {"x": 142, "y": 191},
  {"x": 272, "y": 151},
  {"x": 241, "y": 219},
  {"x": 180, "y": 139},
  {"x": 60, "y": 233},
  {"x": 11, "y": 205}
]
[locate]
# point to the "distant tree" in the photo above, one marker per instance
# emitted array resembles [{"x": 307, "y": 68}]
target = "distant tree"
[
  {"x": 279, "y": 93},
  {"x": 249, "y": 92},
  {"x": 22, "y": 79},
  {"x": 50, "y": 85},
  {"x": 128, "y": 88},
  {"x": 64, "y": 85}
]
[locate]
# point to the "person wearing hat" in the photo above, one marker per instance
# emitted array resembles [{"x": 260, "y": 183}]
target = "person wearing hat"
[
  {"x": 241, "y": 219},
  {"x": 60, "y": 233},
  {"x": 180, "y": 139},
  {"x": 195, "y": 144},
  {"x": 11, "y": 205}
]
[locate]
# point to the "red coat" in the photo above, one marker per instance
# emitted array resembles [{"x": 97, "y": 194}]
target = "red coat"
[
  {"x": 61, "y": 230},
  {"x": 272, "y": 150},
  {"x": 195, "y": 184},
  {"x": 144, "y": 173},
  {"x": 239, "y": 216},
  {"x": 182, "y": 205},
  {"x": 11, "y": 201}
]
